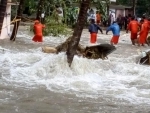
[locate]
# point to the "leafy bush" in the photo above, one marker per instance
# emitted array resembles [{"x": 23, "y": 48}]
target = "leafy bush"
[{"x": 55, "y": 27}]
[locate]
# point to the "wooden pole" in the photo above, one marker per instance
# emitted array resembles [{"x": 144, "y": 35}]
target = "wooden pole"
[{"x": 16, "y": 24}]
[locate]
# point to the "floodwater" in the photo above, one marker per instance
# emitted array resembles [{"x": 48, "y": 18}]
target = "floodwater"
[{"x": 36, "y": 82}]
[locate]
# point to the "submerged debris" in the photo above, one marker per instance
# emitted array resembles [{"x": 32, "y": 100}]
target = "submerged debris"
[
  {"x": 146, "y": 58},
  {"x": 90, "y": 52}
]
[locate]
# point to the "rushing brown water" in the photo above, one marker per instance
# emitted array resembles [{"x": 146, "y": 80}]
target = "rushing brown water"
[{"x": 35, "y": 82}]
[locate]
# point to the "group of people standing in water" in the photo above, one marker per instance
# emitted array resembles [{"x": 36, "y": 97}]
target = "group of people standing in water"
[{"x": 138, "y": 31}]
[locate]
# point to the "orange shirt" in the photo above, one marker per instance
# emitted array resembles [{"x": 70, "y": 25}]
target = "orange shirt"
[
  {"x": 133, "y": 26},
  {"x": 38, "y": 29},
  {"x": 143, "y": 33},
  {"x": 98, "y": 17},
  {"x": 147, "y": 25}
]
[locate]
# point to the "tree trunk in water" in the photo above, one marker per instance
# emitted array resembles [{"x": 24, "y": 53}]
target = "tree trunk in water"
[
  {"x": 3, "y": 6},
  {"x": 39, "y": 10},
  {"x": 16, "y": 24},
  {"x": 73, "y": 45}
]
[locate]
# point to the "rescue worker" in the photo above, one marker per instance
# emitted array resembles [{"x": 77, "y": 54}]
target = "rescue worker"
[
  {"x": 98, "y": 18},
  {"x": 134, "y": 28},
  {"x": 144, "y": 31},
  {"x": 116, "y": 33},
  {"x": 93, "y": 29},
  {"x": 38, "y": 27},
  {"x": 147, "y": 24}
]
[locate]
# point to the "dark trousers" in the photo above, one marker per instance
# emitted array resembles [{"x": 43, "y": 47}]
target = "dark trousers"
[{"x": 120, "y": 25}]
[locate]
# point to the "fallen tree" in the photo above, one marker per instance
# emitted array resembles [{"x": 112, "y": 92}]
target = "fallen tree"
[{"x": 90, "y": 52}]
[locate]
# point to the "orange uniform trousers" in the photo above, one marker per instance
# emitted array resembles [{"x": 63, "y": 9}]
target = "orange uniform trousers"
[
  {"x": 133, "y": 36},
  {"x": 93, "y": 38},
  {"x": 38, "y": 38},
  {"x": 143, "y": 37},
  {"x": 115, "y": 39}
]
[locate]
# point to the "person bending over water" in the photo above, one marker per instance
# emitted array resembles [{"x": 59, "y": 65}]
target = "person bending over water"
[
  {"x": 38, "y": 35},
  {"x": 116, "y": 33}
]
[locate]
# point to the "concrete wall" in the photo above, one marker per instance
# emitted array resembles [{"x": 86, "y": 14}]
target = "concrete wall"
[
  {"x": 112, "y": 0},
  {"x": 127, "y": 11},
  {"x": 120, "y": 12}
]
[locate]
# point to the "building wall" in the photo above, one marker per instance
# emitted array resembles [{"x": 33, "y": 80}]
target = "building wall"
[
  {"x": 123, "y": 12},
  {"x": 112, "y": 0},
  {"x": 128, "y": 11},
  {"x": 120, "y": 12},
  {"x": 116, "y": 12}
]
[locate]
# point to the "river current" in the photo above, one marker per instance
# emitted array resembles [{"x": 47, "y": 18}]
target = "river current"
[{"x": 35, "y": 82}]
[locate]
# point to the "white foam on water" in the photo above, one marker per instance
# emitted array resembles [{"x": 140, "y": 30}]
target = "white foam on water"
[
  {"x": 92, "y": 78},
  {"x": 118, "y": 77}
]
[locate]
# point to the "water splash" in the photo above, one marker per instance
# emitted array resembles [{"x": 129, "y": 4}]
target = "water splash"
[{"x": 119, "y": 77}]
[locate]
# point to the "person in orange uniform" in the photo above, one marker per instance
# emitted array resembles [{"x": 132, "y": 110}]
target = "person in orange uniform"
[
  {"x": 143, "y": 33},
  {"x": 93, "y": 29},
  {"x": 98, "y": 18},
  {"x": 134, "y": 28},
  {"x": 147, "y": 24},
  {"x": 38, "y": 35},
  {"x": 145, "y": 27}
]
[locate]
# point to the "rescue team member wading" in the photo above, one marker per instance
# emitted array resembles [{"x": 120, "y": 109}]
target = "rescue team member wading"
[
  {"x": 93, "y": 29},
  {"x": 144, "y": 31},
  {"x": 98, "y": 18},
  {"x": 134, "y": 27},
  {"x": 116, "y": 32},
  {"x": 38, "y": 35}
]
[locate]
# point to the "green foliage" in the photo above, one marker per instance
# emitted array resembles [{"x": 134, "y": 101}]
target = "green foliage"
[
  {"x": 143, "y": 7},
  {"x": 55, "y": 27},
  {"x": 32, "y": 5},
  {"x": 102, "y": 7}
]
